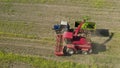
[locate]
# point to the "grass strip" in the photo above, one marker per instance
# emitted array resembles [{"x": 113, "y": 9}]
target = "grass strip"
[{"x": 39, "y": 62}]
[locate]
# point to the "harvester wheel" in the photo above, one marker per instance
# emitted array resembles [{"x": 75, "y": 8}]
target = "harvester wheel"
[
  {"x": 70, "y": 51},
  {"x": 84, "y": 52},
  {"x": 90, "y": 51},
  {"x": 65, "y": 50}
]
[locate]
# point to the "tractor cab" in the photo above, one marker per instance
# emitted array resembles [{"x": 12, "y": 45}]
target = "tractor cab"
[{"x": 61, "y": 28}]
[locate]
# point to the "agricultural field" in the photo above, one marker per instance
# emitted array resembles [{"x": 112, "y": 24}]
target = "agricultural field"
[{"x": 27, "y": 39}]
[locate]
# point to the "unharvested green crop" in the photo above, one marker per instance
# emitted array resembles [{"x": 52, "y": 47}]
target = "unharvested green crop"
[{"x": 39, "y": 62}]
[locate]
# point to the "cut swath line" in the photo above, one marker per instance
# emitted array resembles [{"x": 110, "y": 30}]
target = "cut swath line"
[{"x": 4, "y": 34}]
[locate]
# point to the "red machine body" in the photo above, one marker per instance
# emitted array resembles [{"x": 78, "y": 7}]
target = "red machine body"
[
  {"x": 70, "y": 42},
  {"x": 59, "y": 45}
]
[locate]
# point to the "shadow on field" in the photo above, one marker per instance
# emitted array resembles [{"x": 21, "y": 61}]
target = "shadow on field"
[
  {"x": 96, "y": 47},
  {"x": 102, "y": 32}
]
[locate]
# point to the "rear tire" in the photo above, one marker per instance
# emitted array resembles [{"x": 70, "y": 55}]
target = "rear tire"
[
  {"x": 90, "y": 51},
  {"x": 65, "y": 50},
  {"x": 70, "y": 51},
  {"x": 84, "y": 52}
]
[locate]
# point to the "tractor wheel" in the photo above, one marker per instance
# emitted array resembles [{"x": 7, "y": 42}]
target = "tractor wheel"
[
  {"x": 90, "y": 51},
  {"x": 65, "y": 50},
  {"x": 70, "y": 51},
  {"x": 84, "y": 52}
]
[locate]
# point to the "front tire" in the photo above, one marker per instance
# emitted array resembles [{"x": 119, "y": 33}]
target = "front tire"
[
  {"x": 90, "y": 51},
  {"x": 84, "y": 52},
  {"x": 70, "y": 51}
]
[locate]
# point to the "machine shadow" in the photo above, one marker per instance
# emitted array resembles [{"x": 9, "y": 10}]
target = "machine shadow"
[
  {"x": 102, "y": 32},
  {"x": 96, "y": 48}
]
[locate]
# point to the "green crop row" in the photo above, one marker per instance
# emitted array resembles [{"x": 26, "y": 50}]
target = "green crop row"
[
  {"x": 28, "y": 1},
  {"x": 92, "y": 3},
  {"x": 101, "y": 3},
  {"x": 7, "y": 8},
  {"x": 16, "y": 29},
  {"x": 39, "y": 62},
  {"x": 2, "y": 34}
]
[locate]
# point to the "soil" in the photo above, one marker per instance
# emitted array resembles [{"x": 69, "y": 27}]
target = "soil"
[{"x": 44, "y": 16}]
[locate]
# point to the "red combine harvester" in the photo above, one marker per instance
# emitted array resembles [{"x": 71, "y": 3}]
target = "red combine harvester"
[{"x": 70, "y": 41}]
